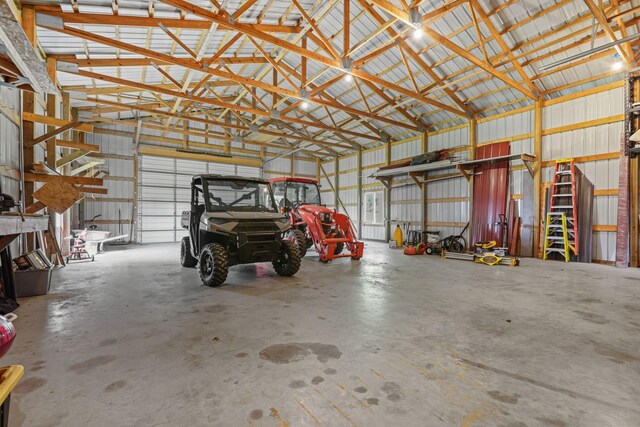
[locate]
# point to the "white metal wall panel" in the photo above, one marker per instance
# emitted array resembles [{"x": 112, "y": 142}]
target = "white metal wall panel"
[
  {"x": 10, "y": 146},
  {"x": 592, "y": 107},
  {"x": 506, "y": 127},
  {"x": 406, "y": 149},
  {"x": 118, "y": 182},
  {"x": 164, "y": 192},
  {"x": 454, "y": 138},
  {"x": 601, "y": 139}
]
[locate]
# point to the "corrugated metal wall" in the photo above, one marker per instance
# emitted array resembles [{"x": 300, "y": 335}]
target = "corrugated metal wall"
[
  {"x": 10, "y": 145},
  {"x": 116, "y": 207},
  {"x": 598, "y": 118},
  {"x": 372, "y": 160},
  {"x": 164, "y": 192},
  {"x": 603, "y": 112},
  {"x": 448, "y": 200},
  {"x": 302, "y": 167}
]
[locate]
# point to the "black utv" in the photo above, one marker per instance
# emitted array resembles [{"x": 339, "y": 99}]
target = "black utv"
[{"x": 234, "y": 220}]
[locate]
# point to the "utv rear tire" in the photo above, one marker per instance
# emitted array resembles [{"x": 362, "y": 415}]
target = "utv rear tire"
[
  {"x": 340, "y": 245},
  {"x": 186, "y": 259},
  {"x": 214, "y": 265},
  {"x": 287, "y": 261},
  {"x": 298, "y": 237}
]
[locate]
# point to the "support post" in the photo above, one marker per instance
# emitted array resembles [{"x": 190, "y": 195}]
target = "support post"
[
  {"x": 293, "y": 164},
  {"x": 634, "y": 197},
  {"x": 359, "y": 191},
  {"x": 537, "y": 177},
  {"x": 336, "y": 181},
  {"x": 28, "y": 128},
  {"x": 423, "y": 187},
  {"x": 473, "y": 145},
  {"x": 387, "y": 196},
  {"x": 52, "y": 104}
]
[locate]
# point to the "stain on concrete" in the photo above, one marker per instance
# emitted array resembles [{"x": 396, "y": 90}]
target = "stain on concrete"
[
  {"x": 289, "y": 334},
  {"x": 503, "y": 397},
  {"x": 30, "y": 384},
  {"x": 552, "y": 422},
  {"x": 116, "y": 385},
  {"x": 317, "y": 380},
  {"x": 632, "y": 307},
  {"x": 241, "y": 355},
  {"x": 393, "y": 390},
  {"x": 360, "y": 389},
  {"x": 294, "y": 352},
  {"x": 330, "y": 371},
  {"x": 107, "y": 342},
  {"x": 372, "y": 401},
  {"x": 297, "y": 384},
  {"x": 589, "y": 300},
  {"x": 256, "y": 414},
  {"x": 593, "y": 318},
  {"x": 38, "y": 365},
  {"x": 613, "y": 353},
  {"x": 89, "y": 364},
  {"x": 216, "y": 308}
]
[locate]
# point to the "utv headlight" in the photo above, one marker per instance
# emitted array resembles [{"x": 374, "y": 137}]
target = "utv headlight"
[{"x": 217, "y": 220}]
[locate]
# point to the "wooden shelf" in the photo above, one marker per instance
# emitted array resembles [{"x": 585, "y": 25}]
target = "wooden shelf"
[
  {"x": 467, "y": 166},
  {"x": 11, "y": 226}
]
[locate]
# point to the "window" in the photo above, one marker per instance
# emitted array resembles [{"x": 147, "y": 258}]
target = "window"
[
  {"x": 250, "y": 196},
  {"x": 374, "y": 207}
]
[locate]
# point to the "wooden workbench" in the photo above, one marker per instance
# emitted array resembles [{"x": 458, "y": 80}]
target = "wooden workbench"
[{"x": 11, "y": 226}]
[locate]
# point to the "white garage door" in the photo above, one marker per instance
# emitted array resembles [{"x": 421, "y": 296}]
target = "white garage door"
[{"x": 164, "y": 192}]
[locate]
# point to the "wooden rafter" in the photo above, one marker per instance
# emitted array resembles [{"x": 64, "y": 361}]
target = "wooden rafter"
[
  {"x": 506, "y": 49},
  {"x": 333, "y": 63},
  {"x": 599, "y": 15},
  {"x": 138, "y": 21}
]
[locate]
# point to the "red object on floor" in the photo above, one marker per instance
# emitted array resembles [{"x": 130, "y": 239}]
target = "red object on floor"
[
  {"x": 490, "y": 190},
  {"x": 7, "y": 333}
]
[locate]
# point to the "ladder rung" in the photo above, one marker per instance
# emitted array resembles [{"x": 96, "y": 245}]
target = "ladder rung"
[
  {"x": 563, "y": 173},
  {"x": 555, "y": 250},
  {"x": 562, "y": 183},
  {"x": 558, "y": 238},
  {"x": 563, "y": 195},
  {"x": 562, "y": 207}
]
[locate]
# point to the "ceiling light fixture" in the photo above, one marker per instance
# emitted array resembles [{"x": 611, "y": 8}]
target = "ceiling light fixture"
[
  {"x": 589, "y": 52},
  {"x": 348, "y": 78},
  {"x": 415, "y": 19},
  {"x": 304, "y": 105}
]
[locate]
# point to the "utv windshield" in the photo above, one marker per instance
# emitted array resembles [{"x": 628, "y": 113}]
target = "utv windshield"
[
  {"x": 290, "y": 193},
  {"x": 238, "y": 195}
]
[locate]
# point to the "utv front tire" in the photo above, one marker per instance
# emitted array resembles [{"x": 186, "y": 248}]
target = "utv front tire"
[
  {"x": 298, "y": 237},
  {"x": 186, "y": 259},
  {"x": 287, "y": 261},
  {"x": 214, "y": 265}
]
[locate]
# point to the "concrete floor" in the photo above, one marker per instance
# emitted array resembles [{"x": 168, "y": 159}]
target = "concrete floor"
[{"x": 133, "y": 339}]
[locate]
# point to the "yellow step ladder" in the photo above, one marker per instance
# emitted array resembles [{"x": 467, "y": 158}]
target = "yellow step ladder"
[{"x": 557, "y": 237}]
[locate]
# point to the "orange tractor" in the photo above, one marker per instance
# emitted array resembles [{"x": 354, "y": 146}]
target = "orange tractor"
[{"x": 313, "y": 224}]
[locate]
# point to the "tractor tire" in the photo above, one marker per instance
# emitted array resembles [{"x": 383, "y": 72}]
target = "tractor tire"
[
  {"x": 287, "y": 261},
  {"x": 298, "y": 237},
  {"x": 214, "y": 265},
  {"x": 339, "y": 246},
  {"x": 186, "y": 259}
]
